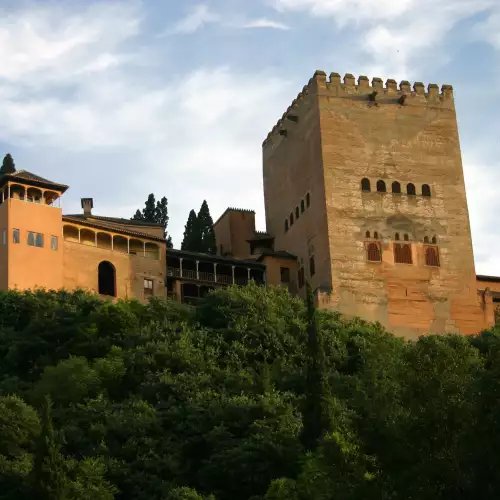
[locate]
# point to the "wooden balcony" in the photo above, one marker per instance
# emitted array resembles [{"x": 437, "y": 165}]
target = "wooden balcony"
[{"x": 204, "y": 277}]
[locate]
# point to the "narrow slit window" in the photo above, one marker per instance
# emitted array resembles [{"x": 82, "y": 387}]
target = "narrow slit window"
[
  {"x": 286, "y": 225},
  {"x": 291, "y": 219},
  {"x": 297, "y": 213},
  {"x": 15, "y": 236},
  {"x": 302, "y": 206},
  {"x": 308, "y": 200},
  {"x": 312, "y": 266},
  {"x": 53, "y": 242}
]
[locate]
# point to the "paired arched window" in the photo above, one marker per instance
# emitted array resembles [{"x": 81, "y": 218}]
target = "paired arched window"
[
  {"x": 381, "y": 187},
  {"x": 373, "y": 252},
  {"x": 431, "y": 257},
  {"x": 405, "y": 237},
  {"x": 396, "y": 187},
  {"x": 410, "y": 189},
  {"x": 375, "y": 235},
  {"x": 426, "y": 190},
  {"x": 434, "y": 240},
  {"x": 396, "y": 236},
  {"x": 402, "y": 253},
  {"x": 367, "y": 234},
  {"x": 106, "y": 279},
  {"x": 365, "y": 185}
]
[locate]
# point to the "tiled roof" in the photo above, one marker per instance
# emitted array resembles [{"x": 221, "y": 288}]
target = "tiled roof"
[
  {"x": 212, "y": 258},
  {"x": 258, "y": 236},
  {"x": 116, "y": 220},
  {"x": 280, "y": 254},
  {"x": 482, "y": 277},
  {"x": 24, "y": 175},
  {"x": 101, "y": 224}
]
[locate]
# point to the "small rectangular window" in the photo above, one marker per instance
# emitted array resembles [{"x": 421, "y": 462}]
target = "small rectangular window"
[
  {"x": 15, "y": 236},
  {"x": 39, "y": 240},
  {"x": 4, "y": 237},
  {"x": 148, "y": 286},
  {"x": 312, "y": 266},
  {"x": 31, "y": 238},
  {"x": 53, "y": 242},
  {"x": 285, "y": 274}
]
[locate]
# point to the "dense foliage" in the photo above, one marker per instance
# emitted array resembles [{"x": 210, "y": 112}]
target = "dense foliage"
[
  {"x": 251, "y": 395},
  {"x": 155, "y": 212},
  {"x": 8, "y": 165}
]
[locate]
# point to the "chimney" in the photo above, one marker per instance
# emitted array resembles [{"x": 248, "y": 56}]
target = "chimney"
[{"x": 87, "y": 205}]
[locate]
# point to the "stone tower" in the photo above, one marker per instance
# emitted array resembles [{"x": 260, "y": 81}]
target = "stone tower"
[{"x": 364, "y": 183}]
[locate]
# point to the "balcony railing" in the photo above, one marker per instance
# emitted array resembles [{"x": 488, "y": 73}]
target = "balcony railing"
[{"x": 221, "y": 279}]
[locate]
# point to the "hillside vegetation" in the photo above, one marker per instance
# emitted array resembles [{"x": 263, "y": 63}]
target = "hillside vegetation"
[{"x": 251, "y": 395}]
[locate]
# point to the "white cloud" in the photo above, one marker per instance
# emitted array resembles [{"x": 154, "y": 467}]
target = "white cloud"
[
  {"x": 197, "y": 18},
  {"x": 116, "y": 134},
  {"x": 265, "y": 23},
  {"x": 395, "y": 33}
]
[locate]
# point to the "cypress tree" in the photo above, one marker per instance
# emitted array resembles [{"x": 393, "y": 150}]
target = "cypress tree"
[
  {"x": 8, "y": 165},
  {"x": 206, "y": 229},
  {"x": 192, "y": 238},
  {"x": 157, "y": 213},
  {"x": 48, "y": 474},
  {"x": 315, "y": 415}
]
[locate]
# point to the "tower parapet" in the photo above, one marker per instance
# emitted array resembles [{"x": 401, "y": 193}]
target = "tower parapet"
[{"x": 376, "y": 93}]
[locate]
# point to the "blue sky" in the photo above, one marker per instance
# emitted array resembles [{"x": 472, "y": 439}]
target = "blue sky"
[{"x": 119, "y": 99}]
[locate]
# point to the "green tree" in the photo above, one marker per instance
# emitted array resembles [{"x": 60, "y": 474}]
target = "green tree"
[
  {"x": 155, "y": 212},
  {"x": 205, "y": 229},
  {"x": 192, "y": 237},
  {"x": 8, "y": 165},
  {"x": 316, "y": 416},
  {"x": 49, "y": 477}
]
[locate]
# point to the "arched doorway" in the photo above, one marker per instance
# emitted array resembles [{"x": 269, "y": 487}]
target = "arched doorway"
[{"x": 107, "y": 279}]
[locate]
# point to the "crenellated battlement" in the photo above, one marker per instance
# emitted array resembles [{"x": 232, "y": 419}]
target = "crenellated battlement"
[{"x": 375, "y": 93}]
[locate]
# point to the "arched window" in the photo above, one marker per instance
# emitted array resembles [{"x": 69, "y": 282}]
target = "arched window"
[
  {"x": 410, "y": 189},
  {"x": 367, "y": 234},
  {"x": 365, "y": 185},
  {"x": 426, "y": 190},
  {"x": 107, "y": 279},
  {"x": 431, "y": 257},
  {"x": 396, "y": 187},
  {"x": 434, "y": 240},
  {"x": 381, "y": 187},
  {"x": 405, "y": 237},
  {"x": 402, "y": 254},
  {"x": 297, "y": 213},
  {"x": 286, "y": 225},
  {"x": 302, "y": 206},
  {"x": 373, "y": 252},
  {"x": 396, "y": 236},
  {"x": 375, "y": 235},
  {"x": 308, "y": 200},
  {"x": 291, "y": 219},
  {"x": 426, "y": 239}
]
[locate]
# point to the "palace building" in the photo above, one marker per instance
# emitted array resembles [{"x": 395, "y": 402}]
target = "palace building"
[{"x": 364, "y": 198}]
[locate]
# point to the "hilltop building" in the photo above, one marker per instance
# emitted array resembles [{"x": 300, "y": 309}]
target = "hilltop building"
[{"x": 364, "y": 198}]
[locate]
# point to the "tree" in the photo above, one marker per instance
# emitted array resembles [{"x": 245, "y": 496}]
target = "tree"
[
  {"x": 8, "y": 165},
  {"x": 206, "y": 229},
  {"x": 315, "y": 415},
  {"x": 49, "y": 476},
  {"x": 156, "y": 213},
  {"x": 191, "y": 234}
]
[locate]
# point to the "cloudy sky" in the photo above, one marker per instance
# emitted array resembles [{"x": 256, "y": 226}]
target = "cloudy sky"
[{"x": 122, "y": 98}]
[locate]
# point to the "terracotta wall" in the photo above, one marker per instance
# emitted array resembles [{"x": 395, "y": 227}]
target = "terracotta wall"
[
  {"x": 81, "y": 270},
  {"x": 273, "y": 272},
  {"x": 4, "y": 249},
  {"x": 30, "y": 266}
]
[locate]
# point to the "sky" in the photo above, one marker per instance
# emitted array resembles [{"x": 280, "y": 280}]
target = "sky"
[{"x": 119, "y": 99}]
